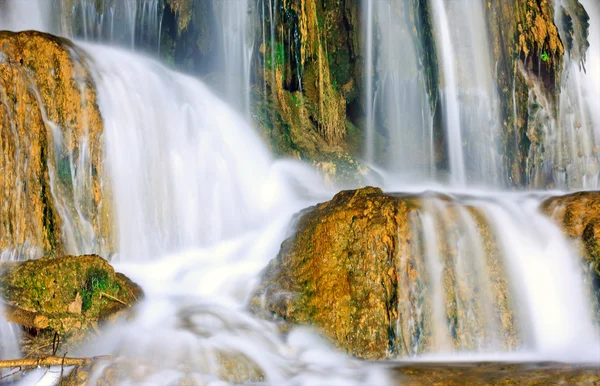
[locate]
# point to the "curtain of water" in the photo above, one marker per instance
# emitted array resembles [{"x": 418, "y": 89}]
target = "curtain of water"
[
  {"x": 237, "y": 47},
  {"x": 495, "y": 283},
  {"x": 402, "y": 100},
  {"x": 470, "y": 100},
  {"x": 129, "y": 23}
]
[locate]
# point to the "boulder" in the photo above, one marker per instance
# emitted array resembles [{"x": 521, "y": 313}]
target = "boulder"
[{"x": 356, "y": 269}]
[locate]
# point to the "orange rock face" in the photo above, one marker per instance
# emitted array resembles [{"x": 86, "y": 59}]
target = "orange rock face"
[{"x": 49, "y": 122}]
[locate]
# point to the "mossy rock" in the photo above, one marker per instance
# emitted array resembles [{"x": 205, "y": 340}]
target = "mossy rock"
[
  {"x": 66, "y": 293},
  {"x": 339, "y": 271}
]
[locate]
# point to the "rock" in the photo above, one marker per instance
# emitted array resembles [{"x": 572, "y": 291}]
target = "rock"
[
  {"x": 338, "y": 271},
  {"x": 495, "y": 373},
  {"x": 65, "y": 294},
  {"x": 356, "y": 269}
]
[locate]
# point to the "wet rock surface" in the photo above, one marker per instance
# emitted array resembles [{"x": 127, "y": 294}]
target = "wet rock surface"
[{"x": 49, "y": 121}]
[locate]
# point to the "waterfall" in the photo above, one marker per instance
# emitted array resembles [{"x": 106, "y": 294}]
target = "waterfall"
[
  {"x": 469, "y": 95},
  {"x": 199, "y": 207},
  {"x": 496, "y": 277},
  {"x": 578, "y": 128},
  {"x": 197, "y": 220},
  {"x": 129, "y": 23},
  {"x": 177, "y": 175}
]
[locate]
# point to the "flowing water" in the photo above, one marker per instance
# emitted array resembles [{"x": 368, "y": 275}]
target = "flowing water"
[{"x": 201, "y": 207}]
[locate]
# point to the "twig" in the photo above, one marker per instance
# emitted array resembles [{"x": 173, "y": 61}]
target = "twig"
[
  {"x": 62, "y": 368},
  {"x": 114, "y": 298},
  {"x": 55, "y": 343}
]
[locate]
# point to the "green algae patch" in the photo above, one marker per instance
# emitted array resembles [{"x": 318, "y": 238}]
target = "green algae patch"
[{"x": 66, "y": 293}]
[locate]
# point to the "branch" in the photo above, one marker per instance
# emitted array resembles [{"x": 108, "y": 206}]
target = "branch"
[{"x": 49, "y": 361}]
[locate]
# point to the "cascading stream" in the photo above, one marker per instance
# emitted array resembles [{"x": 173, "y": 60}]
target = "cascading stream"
[
  {"x": 200, "y": 208},
  {"x": 197, "y": 219}
]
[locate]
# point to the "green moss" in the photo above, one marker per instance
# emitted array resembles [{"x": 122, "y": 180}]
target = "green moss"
[
  {"x": 276, "y": 56},
  {"x": 97, "y": 280}
]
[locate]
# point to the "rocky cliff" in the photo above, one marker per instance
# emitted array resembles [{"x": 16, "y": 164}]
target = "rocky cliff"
[{"x": 50, "y": 136}]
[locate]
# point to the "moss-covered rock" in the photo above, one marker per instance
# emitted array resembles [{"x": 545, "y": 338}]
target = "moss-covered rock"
[
  {"x": 66, "y": 293},
  {"x": 338, "y": 272}
]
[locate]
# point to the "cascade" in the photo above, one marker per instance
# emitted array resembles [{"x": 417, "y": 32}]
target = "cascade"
[
  {"x": 200, "y": 207},
  {"x": 486, "y": 276},
  {"x": 237, "y": 51},
  {"x": 468, "y": 97}
]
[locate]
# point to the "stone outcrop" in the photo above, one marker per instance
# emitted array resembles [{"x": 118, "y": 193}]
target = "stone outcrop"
[{"x": 50, "y": 142}]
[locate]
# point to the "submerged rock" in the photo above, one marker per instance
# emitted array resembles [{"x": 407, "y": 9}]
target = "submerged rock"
[
  {"x": 356, "y": 268},
  {"x": 64, "y": 294}
]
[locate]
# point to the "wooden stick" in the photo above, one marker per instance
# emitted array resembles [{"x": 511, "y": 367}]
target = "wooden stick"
[{"x": 49, "y": 361}]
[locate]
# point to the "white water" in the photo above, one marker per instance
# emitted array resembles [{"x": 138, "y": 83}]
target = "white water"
[
  {"x": 546, "y": 275},
  {"x": 23, "y": 15}
]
